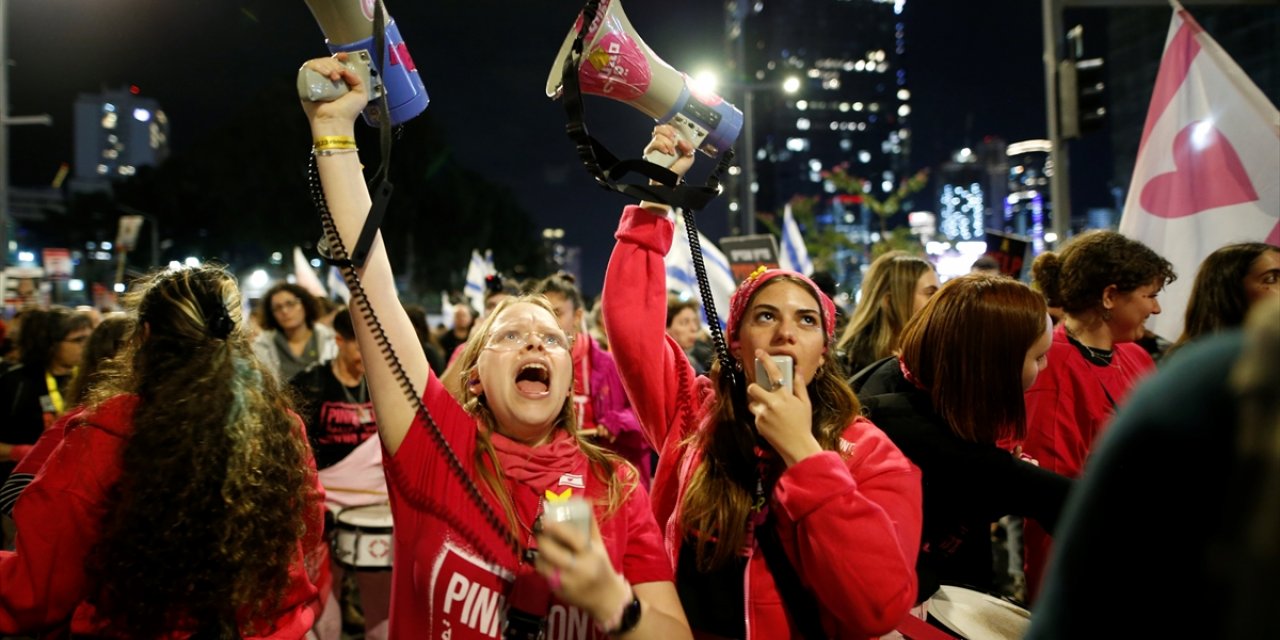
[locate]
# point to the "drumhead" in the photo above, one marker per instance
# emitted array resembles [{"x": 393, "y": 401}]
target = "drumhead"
[
  {"x": 978, "y": 616},
  {"x": 370, "y": 517}
]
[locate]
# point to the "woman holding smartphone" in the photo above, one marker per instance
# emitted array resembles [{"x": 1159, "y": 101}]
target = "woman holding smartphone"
[
  {"x": 768, "y": 494},
  {"x": 513, "y": 429}
]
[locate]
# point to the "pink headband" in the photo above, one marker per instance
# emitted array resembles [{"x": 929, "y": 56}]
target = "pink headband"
[{"x": 748, "y": 288}]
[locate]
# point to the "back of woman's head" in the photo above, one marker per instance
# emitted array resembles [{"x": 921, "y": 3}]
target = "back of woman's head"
[
  {"x": 888, "y": 298},
  {"x": 1076, "y": 277},
  {"x": 562, "y": 283},
  {"x": 205, "y": 518},
  {"x": 106, "y": 340},
  {"x": 1218, "y": 297},
  {"x": 967, "y": 348},
  {"x": 42, "y": 331}
]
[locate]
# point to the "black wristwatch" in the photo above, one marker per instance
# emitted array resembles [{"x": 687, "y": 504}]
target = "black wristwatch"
[{"x": 630, "y": 617}]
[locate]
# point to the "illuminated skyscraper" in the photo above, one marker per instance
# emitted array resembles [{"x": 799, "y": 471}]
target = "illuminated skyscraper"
[
  {"x": 1027, "y": 208},
  {"x": 971, "y": 190},
  {"x": 852, "y": 104},
  {"x": 116, "y": 132}
]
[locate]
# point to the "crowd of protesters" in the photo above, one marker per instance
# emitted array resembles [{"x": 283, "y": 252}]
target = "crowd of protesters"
[{"x": 190, "y": 468}]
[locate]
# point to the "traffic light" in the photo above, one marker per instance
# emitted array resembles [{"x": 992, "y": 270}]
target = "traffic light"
[{"x": 1082, "y": 96}]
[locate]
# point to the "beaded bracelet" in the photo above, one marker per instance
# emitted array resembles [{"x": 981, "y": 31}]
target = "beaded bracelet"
[{"x": 333, "y": 151}]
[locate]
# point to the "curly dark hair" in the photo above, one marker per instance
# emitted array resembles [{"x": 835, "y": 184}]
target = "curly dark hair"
[
  {"x": 309, "y": 305},
  {"x": 215, "y": 481},
  {"x": 1075, "y": 278}
]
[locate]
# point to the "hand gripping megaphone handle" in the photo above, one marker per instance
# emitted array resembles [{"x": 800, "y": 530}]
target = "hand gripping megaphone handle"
[
  {"x": 690, "y": 131},
  {"x": 315, "y": 87}
]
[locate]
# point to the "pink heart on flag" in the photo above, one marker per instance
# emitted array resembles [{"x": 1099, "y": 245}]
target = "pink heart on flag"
[{"x": 1209, "y": 174}]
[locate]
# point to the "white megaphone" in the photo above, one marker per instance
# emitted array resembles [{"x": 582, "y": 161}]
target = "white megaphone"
[
  {"x": 348, "y": 26},
  {"x": 617, "y": 64}
]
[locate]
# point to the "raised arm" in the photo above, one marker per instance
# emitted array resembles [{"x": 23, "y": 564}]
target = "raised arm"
[
  {"x": 635, "y": 307},
  {"x": 348, "y": 200}
]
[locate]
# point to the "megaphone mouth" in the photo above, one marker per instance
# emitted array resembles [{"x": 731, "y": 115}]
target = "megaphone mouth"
[{"x": 555, "y": 79}]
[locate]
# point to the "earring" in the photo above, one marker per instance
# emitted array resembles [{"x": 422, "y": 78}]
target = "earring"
[{"x": 1106, "y": 315}]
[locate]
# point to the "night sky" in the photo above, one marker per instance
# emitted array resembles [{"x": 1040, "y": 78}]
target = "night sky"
[{"x": 974, "y": 69}]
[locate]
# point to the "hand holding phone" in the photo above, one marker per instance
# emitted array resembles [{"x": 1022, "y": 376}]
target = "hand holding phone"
[
  {"x": 786, "y": 368},
  {"x": 576, "y": 512}
]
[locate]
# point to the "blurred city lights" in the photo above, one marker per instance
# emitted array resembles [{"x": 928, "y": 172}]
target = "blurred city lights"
[
  {"x": 75, "y": 285},
  {"x": 705, "y": 81},
  {"x": 791, "y": 85},
  {"x": 259, "y": 279},
  {"x": 192, "y": 261}
]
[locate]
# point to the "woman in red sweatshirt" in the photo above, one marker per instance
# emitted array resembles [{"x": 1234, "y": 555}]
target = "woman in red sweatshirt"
[
  {"x": 464, "y": 525},
  {"x": 183, "y": 500},
  {"x": 778, "y": 496}
]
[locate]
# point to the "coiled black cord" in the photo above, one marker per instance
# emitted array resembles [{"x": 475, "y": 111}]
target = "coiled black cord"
[{"x": 339, "y": 254}]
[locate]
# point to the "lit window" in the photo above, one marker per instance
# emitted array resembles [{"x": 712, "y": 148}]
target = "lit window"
[
  {"x": 141, "y": 115},
  {"x": 108, "y": 108},
  {"x": 802, "y": 124},
  {"x": 815, "y": 165},
  {"x": 797, "y": 144},
  {"x": 904, "y": 110},
  {"x": 904, "y": 94},
  {"x": 864, "y": 156},
  {"x": 801, "y": 105},
  {"x": 109, "y": 120},
  {"x": 102, "y": 169},
  {"x": 857, "y": 106}
]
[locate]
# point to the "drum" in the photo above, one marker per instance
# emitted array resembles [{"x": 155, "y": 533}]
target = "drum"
[
  {"x": 362, "y": 538},
  {"x": 974, "y": 615}
]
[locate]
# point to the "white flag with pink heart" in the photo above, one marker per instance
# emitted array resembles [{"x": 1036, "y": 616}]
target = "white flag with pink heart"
[{"x": 1208, "y": 167}]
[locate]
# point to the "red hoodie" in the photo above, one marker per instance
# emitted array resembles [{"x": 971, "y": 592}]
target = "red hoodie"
[
  {"x": 43, "y": 584},
  {"x": 848, "y": 520}
]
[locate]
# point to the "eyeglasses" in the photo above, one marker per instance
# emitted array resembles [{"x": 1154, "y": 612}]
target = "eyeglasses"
[
  {"x": 286, "y": 304},
  {"x": 511, "y": 339}
]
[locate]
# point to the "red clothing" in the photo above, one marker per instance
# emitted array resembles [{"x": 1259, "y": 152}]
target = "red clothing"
[
  {"x": 452, "y": 573},
  {"x": 848, "y": 520},
  {"x": 42, "y": 583},
  {"x": 1067, "y": 408}
]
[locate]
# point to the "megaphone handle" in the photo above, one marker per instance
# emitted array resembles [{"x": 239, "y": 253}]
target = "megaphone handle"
[
  {"x": 664, "y": 160},
  {"x": 318, "y": 88}
]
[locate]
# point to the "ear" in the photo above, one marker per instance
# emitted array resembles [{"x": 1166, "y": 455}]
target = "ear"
[
  {"x": 1110, "y": 296},
  {"x": 475, "y": 387}
]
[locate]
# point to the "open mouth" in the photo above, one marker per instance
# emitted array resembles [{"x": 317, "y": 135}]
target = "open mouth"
[{"x": 533, "y": 379}]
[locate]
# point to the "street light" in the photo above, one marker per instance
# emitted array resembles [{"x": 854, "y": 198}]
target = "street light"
[{"x": 789, "y": 86}]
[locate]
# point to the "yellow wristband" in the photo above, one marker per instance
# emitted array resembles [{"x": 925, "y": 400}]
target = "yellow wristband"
[{"x": 335, "y": 142}]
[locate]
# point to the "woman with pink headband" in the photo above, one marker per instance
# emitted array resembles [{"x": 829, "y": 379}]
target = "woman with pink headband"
[{"x": 786, "y": 513}]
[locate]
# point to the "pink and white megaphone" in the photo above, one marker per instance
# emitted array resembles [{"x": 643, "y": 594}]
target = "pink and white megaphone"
[
  {"x": 348, "y": 25},
  {"x": 617, "y": 64}
]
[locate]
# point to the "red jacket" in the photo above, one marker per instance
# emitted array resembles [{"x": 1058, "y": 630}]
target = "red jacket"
[
  {"x": 42, "y": 583},
  {"x": 1067, "y": 408},
  {"x": 848, "y": 520}
]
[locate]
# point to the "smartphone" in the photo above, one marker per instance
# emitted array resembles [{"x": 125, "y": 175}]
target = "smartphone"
[
  {"x": 784, "y": 364},
  {"x": 574, "y": 511}
]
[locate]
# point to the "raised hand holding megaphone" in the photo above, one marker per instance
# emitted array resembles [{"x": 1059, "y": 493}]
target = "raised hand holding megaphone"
[
  {"x": 617, "y": 64},
  {"x": 348, "y": 25}
]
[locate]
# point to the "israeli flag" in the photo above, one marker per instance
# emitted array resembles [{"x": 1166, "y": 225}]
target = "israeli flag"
[
  {"x": 682, "y": 279},
  {"x": 337, "y": 285},
  {"x": 478, "y": 269},
  {"x": 795, "y": 255}
]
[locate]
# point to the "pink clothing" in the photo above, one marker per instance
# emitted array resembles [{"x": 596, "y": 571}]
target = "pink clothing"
[
  {"x": 43, "y": 586},
  {"x": 849, "y": 520},
  {"x": 453, "y": 573},
  {"x": 1067, "y": 409}
]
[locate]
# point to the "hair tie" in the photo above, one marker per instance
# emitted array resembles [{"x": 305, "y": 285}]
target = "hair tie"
[{"x": 219, "y": 323}]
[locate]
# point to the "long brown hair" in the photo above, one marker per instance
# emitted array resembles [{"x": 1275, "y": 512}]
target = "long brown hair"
[
  {"x": 604, "y": 465},
  {"x": 718, "y": 500},
  {"x": 1218, "y": 300},
  {"x": 215, "y": 479},
  {"x": 967, "y": 347},
  {"x": 888, "y": 298}
]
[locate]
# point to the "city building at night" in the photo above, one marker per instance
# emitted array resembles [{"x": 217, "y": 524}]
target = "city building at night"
[
  {"x": 848, "y": 100},
  {"x": 116, "y": 132},
  {"x": 971, "y": 190},
  {"x": 1027, "y": 207}
]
